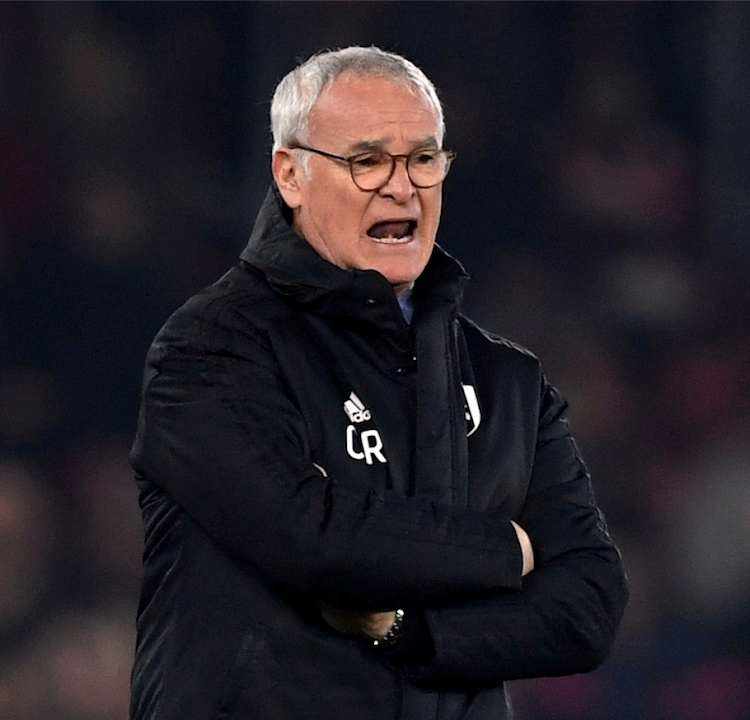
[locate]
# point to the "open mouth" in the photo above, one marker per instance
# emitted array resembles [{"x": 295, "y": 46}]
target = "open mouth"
[{"x": 392, "y": 232}]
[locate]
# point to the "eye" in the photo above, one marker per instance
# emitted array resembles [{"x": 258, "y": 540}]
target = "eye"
[
  {"x": 367, "y": 161},
  {"x": 424, "y": 157}
]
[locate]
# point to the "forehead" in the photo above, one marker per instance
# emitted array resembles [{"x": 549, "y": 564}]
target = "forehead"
[{"x": 357, "y": 109}]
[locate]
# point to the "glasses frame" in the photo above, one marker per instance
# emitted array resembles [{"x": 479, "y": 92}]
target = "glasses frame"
[{"x": 450, "y": 156}]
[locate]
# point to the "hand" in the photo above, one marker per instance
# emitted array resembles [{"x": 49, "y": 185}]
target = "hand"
[
  {"x": 526, "y": 549},
  {"x": 364, "y": 623}
]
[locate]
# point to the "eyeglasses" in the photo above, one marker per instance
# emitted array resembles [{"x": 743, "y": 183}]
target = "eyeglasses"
[{"x": 371, "y": 170}]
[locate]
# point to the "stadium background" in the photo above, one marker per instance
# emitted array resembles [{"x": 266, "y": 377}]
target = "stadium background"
[{"x": 600, "y": 199}]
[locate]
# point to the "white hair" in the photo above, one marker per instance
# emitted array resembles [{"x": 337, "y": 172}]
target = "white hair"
[{"x": 299, "y": 90}]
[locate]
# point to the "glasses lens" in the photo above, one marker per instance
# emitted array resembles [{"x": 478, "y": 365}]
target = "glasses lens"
[
  {"x": 427, "y": 167},
  {"x": 371, "y": 170}
]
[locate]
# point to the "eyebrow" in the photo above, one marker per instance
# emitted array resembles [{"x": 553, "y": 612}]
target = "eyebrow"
[{"x": 367, "y": 145}]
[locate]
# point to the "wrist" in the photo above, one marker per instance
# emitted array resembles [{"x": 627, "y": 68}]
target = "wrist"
[{"x": 390, "y": 640}]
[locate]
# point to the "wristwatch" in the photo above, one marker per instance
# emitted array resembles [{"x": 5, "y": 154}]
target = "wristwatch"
[{"x": 391, "y": 638}]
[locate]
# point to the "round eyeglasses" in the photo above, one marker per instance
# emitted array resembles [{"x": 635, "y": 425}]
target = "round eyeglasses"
[{"x": 373, "y": 169}]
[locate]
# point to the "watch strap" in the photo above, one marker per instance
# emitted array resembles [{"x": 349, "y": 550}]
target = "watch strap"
[{"x": 391, "y": 638}]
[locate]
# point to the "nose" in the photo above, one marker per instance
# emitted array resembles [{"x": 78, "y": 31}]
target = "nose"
[{"x": 399, "y": 185}]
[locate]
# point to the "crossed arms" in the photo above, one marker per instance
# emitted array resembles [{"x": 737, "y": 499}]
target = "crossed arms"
[{"x": 503, "y": 598}]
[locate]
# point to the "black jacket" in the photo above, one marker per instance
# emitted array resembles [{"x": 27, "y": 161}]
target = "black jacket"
[{"x": 298, "y": 441}]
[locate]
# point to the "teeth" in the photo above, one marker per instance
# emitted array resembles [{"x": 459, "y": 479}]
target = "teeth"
[
  {"x": 392, "y": 240},
  {"x": 392, "y": 231}
]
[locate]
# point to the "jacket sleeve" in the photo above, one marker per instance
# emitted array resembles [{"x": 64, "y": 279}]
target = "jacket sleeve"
[
  {"x": 220, "y": 434},
  {"x": 564, "y": 618}
]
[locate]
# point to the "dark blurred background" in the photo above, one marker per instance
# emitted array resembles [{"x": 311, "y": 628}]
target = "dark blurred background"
[{"x": 601, "y": 200}]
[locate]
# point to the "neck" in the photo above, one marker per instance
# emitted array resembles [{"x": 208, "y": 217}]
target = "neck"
[{"x": 402, "y": 288}]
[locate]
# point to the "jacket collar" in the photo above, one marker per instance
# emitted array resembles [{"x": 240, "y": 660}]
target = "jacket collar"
[{"x": 296, "y": 272}]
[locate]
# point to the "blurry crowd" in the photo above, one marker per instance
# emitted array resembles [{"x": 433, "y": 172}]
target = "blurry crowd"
[{"x": 589, "y": 202}]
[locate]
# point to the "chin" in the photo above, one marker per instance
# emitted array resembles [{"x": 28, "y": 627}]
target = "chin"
[
  {"x": 400, "y": 281},
  {"x": 401, "y": 272}
]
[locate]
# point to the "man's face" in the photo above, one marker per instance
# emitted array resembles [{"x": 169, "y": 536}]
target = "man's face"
[{"x": 392, "y": 229}]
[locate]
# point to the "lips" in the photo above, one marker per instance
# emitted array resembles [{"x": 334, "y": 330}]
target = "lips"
[{"x": 392, "y": 231}]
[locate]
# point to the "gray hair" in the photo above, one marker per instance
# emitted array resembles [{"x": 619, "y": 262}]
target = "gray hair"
[{"x": 299, "y": 90}]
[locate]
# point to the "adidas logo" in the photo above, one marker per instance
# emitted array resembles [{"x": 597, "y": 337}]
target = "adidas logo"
[{"x": 356, "y": 410}]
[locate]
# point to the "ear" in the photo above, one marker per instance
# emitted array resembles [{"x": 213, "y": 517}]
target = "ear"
[{"x": 289, "y": 176}]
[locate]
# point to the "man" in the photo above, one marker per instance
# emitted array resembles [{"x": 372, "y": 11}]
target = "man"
[{"x": 357, "y": 503}]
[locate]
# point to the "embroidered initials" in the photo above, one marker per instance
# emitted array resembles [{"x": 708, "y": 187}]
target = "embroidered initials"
[{"x": 370, "y": 442}]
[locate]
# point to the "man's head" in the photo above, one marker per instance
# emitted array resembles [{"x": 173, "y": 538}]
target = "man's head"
[{"x": 342, "y": 104}]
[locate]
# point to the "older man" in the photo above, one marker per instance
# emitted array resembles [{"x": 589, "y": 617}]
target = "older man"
[{"x": 357, "y": 503}]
